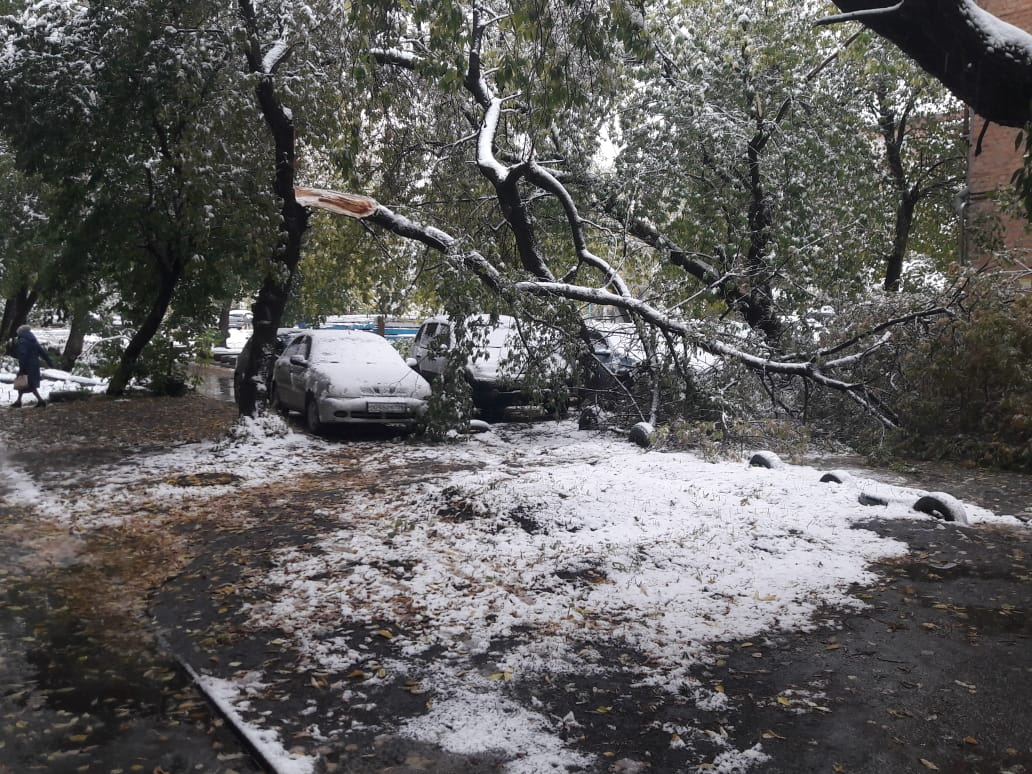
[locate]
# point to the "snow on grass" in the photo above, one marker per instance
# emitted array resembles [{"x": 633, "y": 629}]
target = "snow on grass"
[
  {"x": 533, "y": 550},
  {"x": 560, "y": 540},
  {"x": 256, "y": 451},
  {"x": 661, "y": 553}
]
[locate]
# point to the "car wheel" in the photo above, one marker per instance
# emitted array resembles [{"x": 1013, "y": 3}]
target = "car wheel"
[
  {"x": 312, "y": 421},
  {"x": 275, "y": 402}
]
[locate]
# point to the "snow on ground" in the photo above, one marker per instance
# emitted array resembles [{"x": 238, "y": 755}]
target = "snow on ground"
[
  {"x": 231, "y": 697},
  {"x": 550, "y": 540}
]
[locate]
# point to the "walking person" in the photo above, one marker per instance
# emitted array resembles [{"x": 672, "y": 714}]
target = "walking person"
[{"x": 28, "y": 351}]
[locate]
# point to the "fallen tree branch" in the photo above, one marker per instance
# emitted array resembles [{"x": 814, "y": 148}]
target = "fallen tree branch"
[{"x": 477, "y": 263}]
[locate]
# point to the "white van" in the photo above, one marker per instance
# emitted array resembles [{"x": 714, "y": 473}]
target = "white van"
[{"x": 500, "y": 350}]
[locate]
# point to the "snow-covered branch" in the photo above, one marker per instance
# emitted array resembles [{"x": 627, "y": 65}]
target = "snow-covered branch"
[
  {"x": 936, "y": 311},
  {"x": 396, "y": 57},
  {"x": 860, "y": 15},
  {"x": 275, "y": 56},
  {"x": 983, "y": 60},
  {"x": 493, "y": 169},
  {"x": 656, "y": 318},
  {"x": 372, "y": 212}
]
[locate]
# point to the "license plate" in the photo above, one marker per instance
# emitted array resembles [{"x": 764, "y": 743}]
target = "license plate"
[{"x": 378, "y": 407}]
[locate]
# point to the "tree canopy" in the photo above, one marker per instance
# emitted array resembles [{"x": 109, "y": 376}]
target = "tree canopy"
[{"x": 714, "y": 172}]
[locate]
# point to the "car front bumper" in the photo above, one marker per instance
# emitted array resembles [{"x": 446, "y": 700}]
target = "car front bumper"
[{"x": 392, "y": 411}]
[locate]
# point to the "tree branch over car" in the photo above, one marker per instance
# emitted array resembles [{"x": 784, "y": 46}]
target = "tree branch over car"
[
  {"x": 817, "y": 366},
  {"x": 524, "y": 189}
]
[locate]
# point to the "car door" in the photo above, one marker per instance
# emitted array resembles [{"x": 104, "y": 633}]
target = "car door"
[
  {"x": 290, "y": 373},
  {"x": 429, "y": 348}
]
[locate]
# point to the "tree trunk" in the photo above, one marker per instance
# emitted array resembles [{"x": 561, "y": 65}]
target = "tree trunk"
[
  {"x": 76, "y": 336},
  {"x": 224, "y": 322},
  {"x": 169, "y": 282},
  {"x": 757, "y": 308},
  {"x": 276, "y": 287},
  {"x": 16, "y": 311},
  {"x": 893, "y": 130},
  {"x": 901, "y": 238}
]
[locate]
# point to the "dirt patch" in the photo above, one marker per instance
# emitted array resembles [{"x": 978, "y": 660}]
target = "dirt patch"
[{"x": 104, "y": 427}]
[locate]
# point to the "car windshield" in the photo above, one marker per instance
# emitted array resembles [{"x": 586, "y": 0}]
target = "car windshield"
[
  {"x": 494, "y": 335},
  {"x": 368, "y": 348}
]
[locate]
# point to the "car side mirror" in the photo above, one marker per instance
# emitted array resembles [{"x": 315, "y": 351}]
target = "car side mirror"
[
  {"x": 412, "y": 363},
  {"x": 298, "y": 361}
]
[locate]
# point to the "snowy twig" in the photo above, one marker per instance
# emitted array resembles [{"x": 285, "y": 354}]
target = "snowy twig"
[{"x": 864, "y": 13}]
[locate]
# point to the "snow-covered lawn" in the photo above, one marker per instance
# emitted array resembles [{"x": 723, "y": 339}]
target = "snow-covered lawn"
[{"x": 550, "y": 539}]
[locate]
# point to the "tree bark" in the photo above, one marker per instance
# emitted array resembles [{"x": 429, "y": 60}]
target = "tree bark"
[
  {"x": 170, "y": 272},
  {"x": 901, "y": 238},
  {"x": 276, "y": 287},
  {"x": 954, "y": 41},
  {"x": 758, "y": 311},
  {"x": 16, "y": 311},
  {"x": 76, "y": 336}
]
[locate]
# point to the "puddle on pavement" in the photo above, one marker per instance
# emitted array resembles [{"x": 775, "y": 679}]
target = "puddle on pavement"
[
  {"x": 996, "y": 620},
  {"x": 215, "y": 381}
]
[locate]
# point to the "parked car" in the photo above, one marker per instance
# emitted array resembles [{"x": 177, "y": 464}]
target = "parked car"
[
  {"x": 614, "y": 362},
  {"x": 496, "y": 369},
  {"x": 347, "y": 377},
  {"x": 240, "y": 318}
]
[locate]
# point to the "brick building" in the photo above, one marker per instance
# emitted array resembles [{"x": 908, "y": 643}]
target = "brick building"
[{"x": 991, "y": 170}]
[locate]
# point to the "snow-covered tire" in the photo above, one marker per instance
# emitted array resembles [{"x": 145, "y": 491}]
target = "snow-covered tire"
[
  {"x": 765, "y": 459},
  {"x": 312, "y": 421},
  {"x": 942, "y": 506},
  {"x": 643, "y": 434},
  {"x": 835, "y": 477}
]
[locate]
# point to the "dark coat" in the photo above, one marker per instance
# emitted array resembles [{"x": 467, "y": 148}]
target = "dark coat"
[{"x": 28, "y": 351}]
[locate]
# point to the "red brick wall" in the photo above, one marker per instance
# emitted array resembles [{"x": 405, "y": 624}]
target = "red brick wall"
[{"x": 992, "y": 168}]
